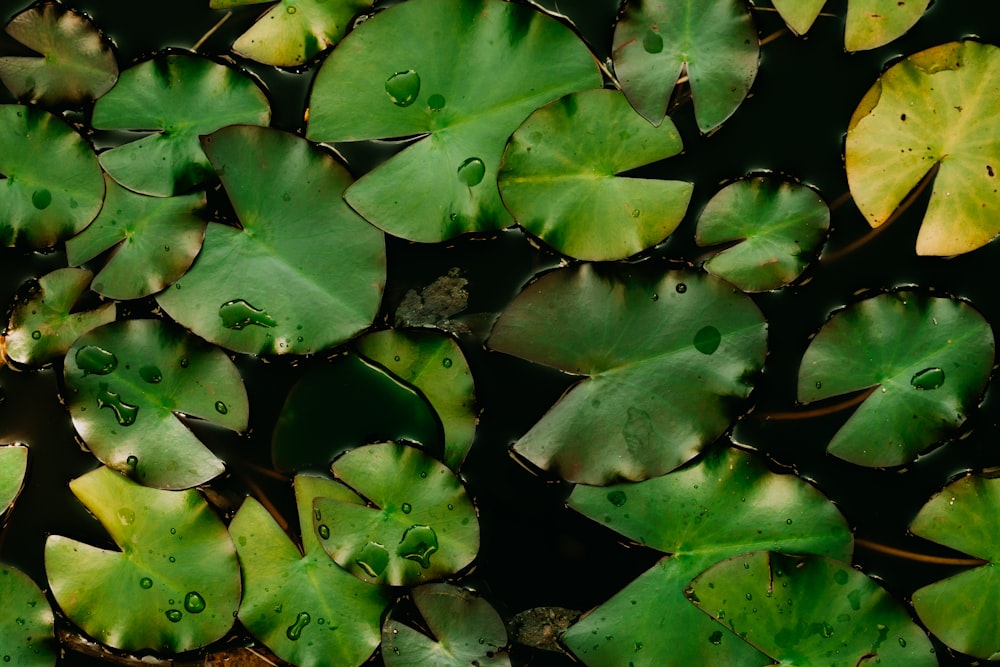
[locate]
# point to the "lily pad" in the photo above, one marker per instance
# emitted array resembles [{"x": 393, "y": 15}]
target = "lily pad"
[
  {"x": 713, "y": 41},
  {"x": 418, "y": 525},
  {"x": 44, "y": 325},
  {"x": 173, "y": 98},
  {"x": 559, "y": 177},
  {"x": 173, "y": 587},
  {"x": 464, "y": 630},
  {"x": 726, "y": 504},
  {"x": 874, "y": 23},
  {"x": 129, "y": 382},
  {"x": 925, "y": 361},
  {"x": 293, "y": 32},
  {"x": 933, "y": 110},
  {"x": 962, "y": 610},
  {"x": 27, "y": 638},
  {"x": 155, "y": 239},
  {"x": 303, "y": 273},
  {"x": 810, "y": 611},
  {"x": 13, "y": 466},
  {"x": 663, "y": 359},
  {"x": 302, "y": 605},
  {"x": 433, "y": 364},
  {"x": 50, "y": 180},
  {"x": 799, "y": 15},
  {"x": 409, "y": 70},
  {"x": 774, "y": 229},
  {"x": 74, "y": 62}
]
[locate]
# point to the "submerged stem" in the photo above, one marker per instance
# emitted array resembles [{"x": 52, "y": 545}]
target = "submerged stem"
[
  {"x": 921, "y": 558},
  {"x": 819, "y": 412},
  {"x": 211, "y": 31}
]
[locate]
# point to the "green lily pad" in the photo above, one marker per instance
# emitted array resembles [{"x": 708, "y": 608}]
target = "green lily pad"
[
  {"x": 775, "y": 228},
  {"x": 155, "y": 239},
  {"x": 714, "y": 41},
  {"x": 663, "y": 357},
  {"x": 874, "y": 23},
  {"x": 173, "y": 587},
  {"x": 559, "y": 177},
  {"x": 925, "y": 360},
  {"x": 302, "y": 605},
  {"x": 27, "y": 638},
  {"x": 175, "y": 98},
  {"x": 44, "y": 325},
  {"x": 418, "y": 525},
  {"x": 933, "y": 110},
  {"x": 293, "y": 32},
  {"x": 464, "y": 630},
  {"x": 13, "y": 466},
  {"x": 75, "y": 62},
  {"x": 962, "y": 610},
  {"x": 434, "y": 364},
  {"x": 726, "y": 504},
  {"x": 799, "y": 15},
  {"x": 303, "y": 273},
  {"x": 409, "y": 71},
  {"x": 128, "y": 384},
  {"x": 810, "y": 611},
  {"x": 50, "y": 180}
]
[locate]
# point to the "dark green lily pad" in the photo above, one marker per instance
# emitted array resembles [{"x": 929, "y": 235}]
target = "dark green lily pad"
[
  {"x": 27, "y": 636},
  {"x": 51, "y": 180},
  {"x": 174, "y": 98},
  {"x": 13, "y": 466},
  {"x": 397, "y": 75},
  {"x": 302, "y": 605},
  {"x": 963, "y": 610},
  {"x": 418, "y": 525},
  {"x": 303, "y": 273},
  {"x": 44, "y": 325},
  {"x": 173, "y": 587},
  {"x": 776, "y": 228},
  {"x": 926, "y": 361},
  {"x": 128, "y": 384},
  {"x": 664, "y": 358},
  {"x": 713, "y": 41},
  {"x": 726, "y": 504},
  {"x": 434, "y": 364},
  {"x": 463, "y": 630},
  {"x": 559, "y": 177},
  {"x": 810, "y": 611},
  {"x": 155, "y": 239}
]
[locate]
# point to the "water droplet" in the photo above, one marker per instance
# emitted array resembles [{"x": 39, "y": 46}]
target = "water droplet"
[
  {"x": 6, "y": 658},
  {"x": 435, "y": 102},
  {"x": 406, "y": 507},
  {"x": 617, "y": 497},
  {"x": 749, "y": 596},
  {"x": 788, "y": 522},
  {"x": 150, "y": 374},
  {"x": 652, "y": 42},
  {"x": 636, "y": 213},
  {"x": 827, "y": 630},
  {"x": 124, "y": 412},
  {"x": 471, "y": 171},
  {"x": 126, "y": 516},
  {"x": 290, "y": 10},
  {"x": 324, "y": 531},
  {"x": 446, "y": 362},
  {"x": 396, "y": 358},
  {"x": 36, "y": 334},
  {"x": 418, "y": 544},
  {"x": 819, "y": 385},
  {"x": 41, "y": 199},
  {"x": 238, "y": 314},
  {"x": 840, "y": 576},
  {"x": 656, "y": 297},
  {"x": 221, "y": 408},
  {"x": 184, "y": 362},
  {"x": 172, "y": 559},
  {"x": 174, "y": 615},
  {"x": 403, "y": 87},
  {"x": 373, "y": 559},
  {"x": 929, "y": 378},
  {"x": 132, "y": 462},
  {"x": 194, "y": 602},
  {"x": 93, "y": 360},
  {"x": 854, "y": 598},
  {"x": 681, "y": 288},
  {"x": 715, "y": 637},
  {"x": 902, "y": 642},
  {"x": 294, "y": 630},
  {"x": 707, "y": 340},
  {"x": 146, "y": 583}
]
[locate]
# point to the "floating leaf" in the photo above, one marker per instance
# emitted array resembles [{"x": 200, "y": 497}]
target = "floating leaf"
[
  {"x": 799, "y": 15},
  {"x": 924, "y": 359},
  {"x": 175, "y": 584},
  {"x": 714, "y": 41},
  {"x": 304, "y": 607},
  {"x": 409, "y": 70},
  {"x": 52, "y": 180},
  {"x": 559, "y": 177},
  {"x": 777, "y": 228},
  {"x": 128, "y": 384},
  {"x": 155, "y": 239},
  {"x": 663, "y": 357},
  {"x": 464, "y": 630},
  {"x": 419, "y": 525},
  {"x": 75, "y": 63},
  {"x": 177, "y": 96},
  {"x": 935, "y": 110},
  {"x": 13, "y": 465},
  {"x": 27, "y": 637},
  {"x": 962, "y": 610},
  {"x": 874, "y": 23},
  {"x": 435, "y": 365},
  {"x": 726, "y": 504},
  {"x": 810, "y": 611},
  {"x": 43, "y": 326},
  {"x": 303, "y": 273}
]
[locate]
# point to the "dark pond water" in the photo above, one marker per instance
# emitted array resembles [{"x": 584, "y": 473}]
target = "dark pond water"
[{"x": 535, "y": 551}]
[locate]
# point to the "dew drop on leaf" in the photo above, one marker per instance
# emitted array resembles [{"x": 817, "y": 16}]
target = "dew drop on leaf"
[
  {"x": 239, "y": 314},
  {"x": 194, "y": 602},
  {"x": 126, "y": 516},
  {"x": 36, "y": 334},
  {"x": 471, "y": 171},
  {"x": 418, "y": 543},
  {"x": 652, "y": 42},
  {"x": 435, "y": 102},
  {"x": 221, "y": 408},
  {"x": 373, "y": 559},
  {"x": 41, "y": 199},
  {"x": 324, "y": 531},
  {"x": 715, "y": 637},
  {"x": 929, "y": 378},
  {"x": 150, "y": 374},
  {"x": 174, "y": 615},
  {"x": 707, "y": 340},
  {"x": 125, "y": 413},
  {"x": 294, "y": 630},
  {"x": 406, "y": 507},
  {"x": 146, "y": 583},
  {"x": 446, "y": 362},
  {"x": 617, "y": 497},
  {"x": 403, "y": 87},
  {"x": 681, "y": 288},
  {"x": 94, "y": 360}
]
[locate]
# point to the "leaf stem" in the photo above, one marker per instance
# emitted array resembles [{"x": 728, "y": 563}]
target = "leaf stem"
[
  {"x": 920, "y": 558},
  {"x": 780, "y": 32},
  {"x": 211, "y": 31},
  {"x": 262, "y": 498},
  {"x": 819, "y": 412}
]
